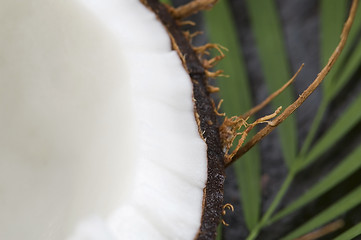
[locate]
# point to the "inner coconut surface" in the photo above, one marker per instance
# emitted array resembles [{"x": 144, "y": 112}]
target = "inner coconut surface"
[{"x": 98, "y": 136}]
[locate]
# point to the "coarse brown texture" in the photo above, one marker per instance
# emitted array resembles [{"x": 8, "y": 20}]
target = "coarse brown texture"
[
  {"x": 192, "y": 8},
  {"x": 207, "y": 120}
]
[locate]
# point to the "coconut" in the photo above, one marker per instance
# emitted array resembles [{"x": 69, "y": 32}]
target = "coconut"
[{"x": 107, "y": 128}]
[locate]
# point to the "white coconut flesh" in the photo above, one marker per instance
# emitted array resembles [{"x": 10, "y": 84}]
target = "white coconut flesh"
[{"x": 98, "y": 138}]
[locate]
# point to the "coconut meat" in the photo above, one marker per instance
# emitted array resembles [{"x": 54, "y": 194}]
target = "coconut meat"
[{"x": 98, "y": 136}]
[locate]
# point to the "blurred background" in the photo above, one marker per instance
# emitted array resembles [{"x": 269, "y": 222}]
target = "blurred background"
[{"x": 305, "y": 177}]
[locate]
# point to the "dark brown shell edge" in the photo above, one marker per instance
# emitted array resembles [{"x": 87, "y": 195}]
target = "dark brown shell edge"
[{"x": 207, "y": 121}]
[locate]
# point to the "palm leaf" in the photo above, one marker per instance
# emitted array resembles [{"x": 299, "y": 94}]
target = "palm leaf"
[
  {"x": 346, "y": 203},
  {"x": 237, "y": 99},
  {"x": 269, "y": 38},
  {"x": 350, "y": 233},
  {"x": 348, "y": 166},
  {"x": 261, "y": 22},
  {"x": 332, "y": 12},
  {"x": 342, "y": 126},
  {"x": 336, "y": 11},
  {"x": 264, "y": 17}
]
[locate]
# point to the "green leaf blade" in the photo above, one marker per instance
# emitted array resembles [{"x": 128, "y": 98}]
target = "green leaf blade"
[
  {"x": 342, "y": 126},
  {"x": 352, "y": 64},
  {"x": 331, "y": 11},
  {"x": 333, "y": 83},
  {"x": 338, "y": 77},
  {"x": 268, "y": 34},
  {"x": 346, "y": 203},
  {"x": 166, "y": 2},
  {"x": 348, "y": 166},
  {"x": 350, "y": 233},
  {"x": 235, "y": 92}
]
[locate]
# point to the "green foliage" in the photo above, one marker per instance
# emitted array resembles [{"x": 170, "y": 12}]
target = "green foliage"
[
  {"x": 267, "y": 31},
  {"x": 269, "y": 39},
  {"x": 348, "y": 166},
  {"x": 237, "y": 99},
  {"x": 350, "y": 233},
  {"x": 346, "y": 203},
  {"x": 268, "y": 35},
  {"x": 166, "y": 1}
]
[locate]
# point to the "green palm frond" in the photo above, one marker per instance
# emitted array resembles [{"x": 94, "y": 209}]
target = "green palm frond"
[
  {"x": 237, "y": 99},
  {"x": 332, "y": 144}
]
